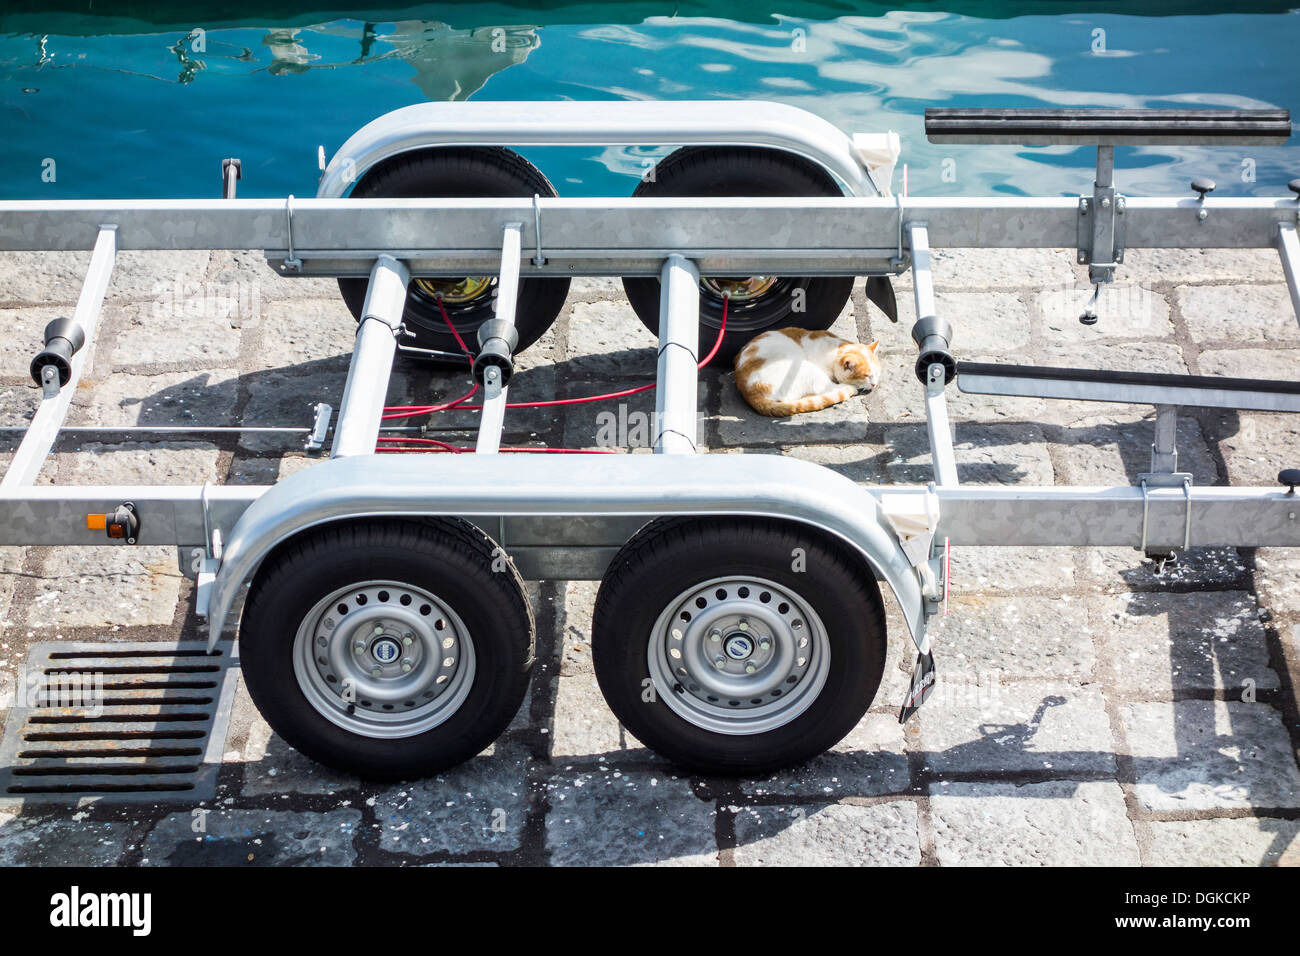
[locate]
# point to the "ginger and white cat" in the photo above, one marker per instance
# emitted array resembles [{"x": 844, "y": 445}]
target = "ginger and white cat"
[{"x": 788, "y": 371}]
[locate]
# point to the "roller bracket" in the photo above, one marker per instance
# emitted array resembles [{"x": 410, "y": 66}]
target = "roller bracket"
[
  {"x": 63, "y": 339},
  {"x": 932, "y": 336},
  {"x": 497, "y": 340}
]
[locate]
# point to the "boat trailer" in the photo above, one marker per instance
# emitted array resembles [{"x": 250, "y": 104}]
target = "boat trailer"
[{"x": 739, "y": 625}]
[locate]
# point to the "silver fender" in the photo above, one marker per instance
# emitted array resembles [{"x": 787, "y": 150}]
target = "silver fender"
[
  {"x": 482, "y": 486},
  {"x": 634, "y": 123}
]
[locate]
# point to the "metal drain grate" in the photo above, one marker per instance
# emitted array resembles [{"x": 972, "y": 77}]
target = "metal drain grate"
[{"x": 137, "y": 721}]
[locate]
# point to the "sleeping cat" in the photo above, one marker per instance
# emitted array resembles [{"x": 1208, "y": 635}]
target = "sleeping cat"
[{"x": 788, "y": 371}]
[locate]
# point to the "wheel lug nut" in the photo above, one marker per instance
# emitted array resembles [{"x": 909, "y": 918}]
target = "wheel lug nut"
[
  {"x": 743, "y": 624},
  {"x": 764, "y": 644},
  {"x": 750, "y": 667},
  {"x": 379, "y": 628},
  {"x": 359, "y": 647},
  {"x": 721, "y": 663},
  {"x": 406, "y": 666},
  {"x": 376, "y": 672},
  {"x": 715, "y": 635},
  {"x": 408, "y": 639}
]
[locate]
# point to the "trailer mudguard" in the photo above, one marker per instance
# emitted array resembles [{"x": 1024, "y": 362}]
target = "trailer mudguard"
[
  {"x": 481, "y": 487},
  {"x": 850, "y": 159}
]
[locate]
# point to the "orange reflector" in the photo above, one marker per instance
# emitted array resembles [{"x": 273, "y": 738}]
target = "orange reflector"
[{"x": 96, "y": 522}]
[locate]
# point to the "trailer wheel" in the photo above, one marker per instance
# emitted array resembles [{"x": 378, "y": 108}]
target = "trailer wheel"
[
  {"x": 460, "y": 172},
  {"x": 758, "y": 303},
  {"x": 390, "y": 649},
  {"x": 715, "y": 651}
]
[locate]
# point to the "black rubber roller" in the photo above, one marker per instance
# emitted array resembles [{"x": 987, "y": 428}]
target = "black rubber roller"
[
  {"x": 63, "y": 337},
  {"x": 932, "y": 336},
  {"x": 497, "y": 340}
]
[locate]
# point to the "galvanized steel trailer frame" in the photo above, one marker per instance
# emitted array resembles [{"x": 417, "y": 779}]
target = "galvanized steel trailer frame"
[{"x": 565, "y": 517}]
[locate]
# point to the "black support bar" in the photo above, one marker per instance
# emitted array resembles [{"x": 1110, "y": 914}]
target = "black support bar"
[
  {"x": 1085, "y": 127},
  {"x": 1142, "y": 388}
]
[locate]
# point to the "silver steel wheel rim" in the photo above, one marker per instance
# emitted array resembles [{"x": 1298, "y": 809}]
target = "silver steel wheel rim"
[
  {"x": 383, "y": 659},
  {"x": 755, "y": 688}
]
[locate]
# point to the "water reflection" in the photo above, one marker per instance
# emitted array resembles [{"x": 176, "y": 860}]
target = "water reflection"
[
  {"x": 861, "y": 72},
  {"x": 454, "y": 64},
  {"x": 448, "y": 63}
]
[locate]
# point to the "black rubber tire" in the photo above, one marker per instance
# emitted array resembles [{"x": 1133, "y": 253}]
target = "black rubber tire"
[
  {"x": 703, "y": 171},
  {"x": 669, "y": 556},
  {"x": 469, "y": 172},
  {"x": 450, "y": 558}
]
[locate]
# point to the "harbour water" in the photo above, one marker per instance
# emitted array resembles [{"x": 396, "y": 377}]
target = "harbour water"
[{"x": 138, "y": 99}]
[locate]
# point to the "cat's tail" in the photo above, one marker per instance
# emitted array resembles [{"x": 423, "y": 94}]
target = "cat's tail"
[{"x": 809, "y": 403}]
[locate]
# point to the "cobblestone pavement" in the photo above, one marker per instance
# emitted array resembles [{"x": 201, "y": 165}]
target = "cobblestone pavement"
[{"x": 1088, "y": 711}]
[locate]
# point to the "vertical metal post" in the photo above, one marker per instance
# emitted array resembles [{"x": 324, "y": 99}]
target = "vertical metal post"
[
  {"x": 493, "y": 417},
  {"x": 1288, "y": 247},
  {"x": 47, "y": 421},
  {"x": 1164, "y": 450},
  {"x": 677, "y": 372},
  {"x": 932, "y": 335},
  {"x": 1105, "y": 167},
  {"x": 362, "y": 406},
  {"x": 231, "y": 170},
  {"x": 1104, "y": 199}
]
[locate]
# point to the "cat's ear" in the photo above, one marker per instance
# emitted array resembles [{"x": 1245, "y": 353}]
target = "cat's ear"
[{"x": 873, "y": 346}]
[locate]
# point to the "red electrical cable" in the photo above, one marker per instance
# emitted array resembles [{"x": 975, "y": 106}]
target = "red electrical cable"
[
  {"x": 446, "y": 318},
  {"x": 717, "y": 344},
  {"x": 415, "y": 411},
  {"x": 433, "y": 444},
  {"x": 416, "y": 441}
]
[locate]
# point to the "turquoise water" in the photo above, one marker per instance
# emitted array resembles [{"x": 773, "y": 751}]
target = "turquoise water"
[{"x": 130, "y": 102}]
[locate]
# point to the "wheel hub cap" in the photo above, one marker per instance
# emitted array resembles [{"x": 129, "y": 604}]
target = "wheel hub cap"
[
  {"x": 738, "y": 647},
  {"x": 385, "y": 650}
]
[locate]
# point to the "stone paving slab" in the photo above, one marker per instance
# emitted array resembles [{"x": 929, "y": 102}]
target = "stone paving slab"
[
  {"x": 479, "y": 806},
  {"x": 1209, "y": 754},
  {"x": 1017, "y": 637},
  {"x": 611, "y": 818},
  {"x": 1161, "y": 642},
  {"x": 1088, "y": 711},
  {"x": 1231, "y": 841},
  {"x": 880, "y": 834},
  {"x": 70, "y": 841},
  {"x": 1040, "y": 726},
  {"x": 253, "y": 837},
  {"x": 1059, "y": 823}
]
